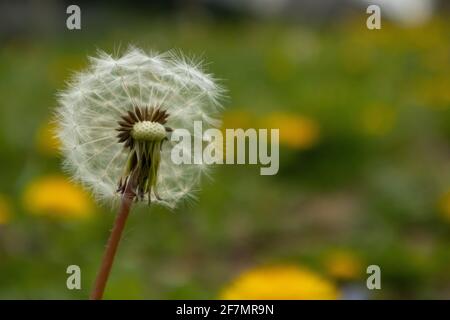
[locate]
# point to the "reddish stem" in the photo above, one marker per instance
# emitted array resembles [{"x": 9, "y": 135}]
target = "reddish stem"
[{"x": 113, "y": 243}]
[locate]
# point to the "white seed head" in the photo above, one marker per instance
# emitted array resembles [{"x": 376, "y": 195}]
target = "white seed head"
[
  {"x": 90, "y": 108},
  {"x": 148, "y": 131}
]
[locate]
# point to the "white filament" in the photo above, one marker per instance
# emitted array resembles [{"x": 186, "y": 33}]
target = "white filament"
[{"x": 96, "y": 98}]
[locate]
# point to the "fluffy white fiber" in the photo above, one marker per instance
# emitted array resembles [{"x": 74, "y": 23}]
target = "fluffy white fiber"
[{"x": 90, "y": 108}]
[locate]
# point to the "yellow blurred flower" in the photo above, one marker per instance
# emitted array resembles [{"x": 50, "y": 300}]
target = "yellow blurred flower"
[
  {"x": 280, "y": 282},
  {"x": 378, "y": 120},
  {"x": 343, "y": 265},
  {"x": 5, "y": 210},
  {"x": 56, "y": 196},
  {"x": 46, "y": 141},
  {"x": 297, "y": 132},
  {"x": 444, "y": 205}
]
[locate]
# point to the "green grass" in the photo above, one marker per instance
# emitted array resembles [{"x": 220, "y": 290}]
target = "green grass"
[{"x": 375, "y": 194}]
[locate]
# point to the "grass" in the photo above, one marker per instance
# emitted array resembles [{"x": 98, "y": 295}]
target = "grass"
[{"x": 371, "y": 184}]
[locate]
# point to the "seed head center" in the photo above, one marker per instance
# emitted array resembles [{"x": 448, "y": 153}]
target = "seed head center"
[{"x": 148, "y": 131}]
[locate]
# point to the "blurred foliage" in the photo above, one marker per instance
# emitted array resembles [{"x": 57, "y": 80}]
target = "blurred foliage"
[{"x": 364, "y": 124}]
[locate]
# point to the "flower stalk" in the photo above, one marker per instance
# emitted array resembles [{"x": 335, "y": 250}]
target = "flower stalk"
[
  {"x": 112, "y": 127},
  {"x": 113, "y": 243}
]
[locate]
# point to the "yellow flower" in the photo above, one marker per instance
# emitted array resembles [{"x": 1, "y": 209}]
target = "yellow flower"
[
  {"x": 444, "y": 205},
  {"x": 378, "y": 120},
  {"x": 56, "y": 196},
  {"x": 280, "y": 282},
  {"x": 343, "y": 265},
  {"x": 5, "y": 210},
  {"x": 298, "y": 132},
  {"x": 46, "y": 141}
]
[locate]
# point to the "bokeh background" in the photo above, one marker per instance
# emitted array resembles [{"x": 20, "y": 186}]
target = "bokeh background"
[{"x": 364, "y": 120}]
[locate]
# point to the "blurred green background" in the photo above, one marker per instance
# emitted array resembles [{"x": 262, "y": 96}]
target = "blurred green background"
[{"x": 364, "y": 120}]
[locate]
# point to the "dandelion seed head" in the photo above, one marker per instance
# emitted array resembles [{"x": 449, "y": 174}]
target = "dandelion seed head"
[{"x": 97, "y": 99}]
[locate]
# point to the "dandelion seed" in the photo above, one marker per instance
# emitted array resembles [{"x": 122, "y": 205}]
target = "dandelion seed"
[
  {"x": 116, "y": 117},
  {"x": 115, "y": 120}
]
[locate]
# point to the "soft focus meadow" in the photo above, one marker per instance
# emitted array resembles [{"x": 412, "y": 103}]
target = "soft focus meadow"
[{"x": 364, "y": 119}]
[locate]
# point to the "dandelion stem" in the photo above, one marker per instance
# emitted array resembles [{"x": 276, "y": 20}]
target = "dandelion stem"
[{"x": 113, "y": 243}]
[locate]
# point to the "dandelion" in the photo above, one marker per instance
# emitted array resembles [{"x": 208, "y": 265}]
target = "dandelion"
[
  {"x": 280, "y": 282},
  {"x": 115, "y": 122},
  {"x": 57, "y": 197},
  {"x": 297, "y": 132}
]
